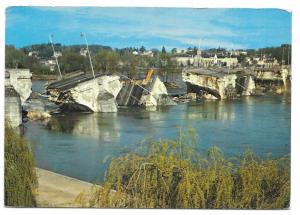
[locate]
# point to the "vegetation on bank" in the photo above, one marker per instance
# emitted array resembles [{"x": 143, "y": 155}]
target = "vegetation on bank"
[
  {"x": 108, "y": 60},
  {"x": 172, "y": 174},
  {"x": 105, "y": 60},
  {"x": 20, "y": 178}
]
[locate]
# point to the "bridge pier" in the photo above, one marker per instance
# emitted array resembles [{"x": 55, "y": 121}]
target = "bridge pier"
[{"x": 17, "y": 90}]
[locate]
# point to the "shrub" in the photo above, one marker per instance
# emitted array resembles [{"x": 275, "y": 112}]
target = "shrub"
[
  {"x": 172, "y": 174},
  {"x": 20, "y": 178}
]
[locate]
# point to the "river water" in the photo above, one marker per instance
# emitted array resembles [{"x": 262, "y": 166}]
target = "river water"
[{"x": 81, "y": 145}]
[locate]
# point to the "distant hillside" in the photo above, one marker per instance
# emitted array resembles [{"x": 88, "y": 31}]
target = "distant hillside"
[{"x": 45, "y": 51}]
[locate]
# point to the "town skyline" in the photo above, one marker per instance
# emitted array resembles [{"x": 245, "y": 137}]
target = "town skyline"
[{"x": 136, "y": 27}]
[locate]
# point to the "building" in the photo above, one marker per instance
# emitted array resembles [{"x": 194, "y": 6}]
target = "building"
[
  {"x": 144, "y": 53},
  {"x": 34, "y": 54},
  {"x": 83, "y": 52},
  {"x": 266, "y": 62},
  {"x": 238, "y": 53},
  {"x": 57, "y": 54},
  {"x": 147, "y": 53},
  {"x": 185, "y": 60},
  {"x": 179, "y": 51},
  {"x": 205, "y": 60},
  {"x": 51, "y": 63},
  {"x": 135, "y": 53}
]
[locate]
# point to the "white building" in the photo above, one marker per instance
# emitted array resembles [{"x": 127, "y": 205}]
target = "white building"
[
  {"x": 135, "y": 53},
  {"x": 145, "y": 53},
  {"x": 33, "y": 54},
  {"x": 83, "y": 52},
  {"x": 57, "y": 54},
  {"x": 49, "y": 63},
  {"x": 238, "y": 53},
  {"x": 266, "y": 62},
  {"x": 200, "y": 61},
  {"x": 185, "y": 60}
]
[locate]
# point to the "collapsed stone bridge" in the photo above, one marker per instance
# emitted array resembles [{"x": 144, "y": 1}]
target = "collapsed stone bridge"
[
  {"x": 217, "y": 85},
  {"x": 221, "y": 84}
]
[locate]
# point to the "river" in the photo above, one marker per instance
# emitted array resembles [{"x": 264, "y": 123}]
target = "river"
[{"x": 81, "y": 145}]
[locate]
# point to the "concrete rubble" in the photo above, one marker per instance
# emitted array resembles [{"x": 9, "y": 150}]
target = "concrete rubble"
[
  {"x": 212, "y": 85},
  {"x": 245, "y": 85},
  {"x": 272, "y": 80},
  {"x": 152, "y": 94},
  {"x": 216, "y": 84},
  {"x": 86, "y": 93},
  {"x": 38, "y": 108},
  {"x": 157, "y": 95}
]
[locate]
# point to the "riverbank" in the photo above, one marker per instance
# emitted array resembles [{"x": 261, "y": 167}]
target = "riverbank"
[
  {"x": 44, "y": 77},
  {"x": 56, "y": 190}
]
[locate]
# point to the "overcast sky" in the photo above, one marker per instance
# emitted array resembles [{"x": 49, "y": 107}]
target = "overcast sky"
[{"x": 150, "y": 27}]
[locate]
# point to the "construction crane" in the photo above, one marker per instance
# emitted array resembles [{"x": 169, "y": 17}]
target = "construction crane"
[{"x": 148, "y": 77}]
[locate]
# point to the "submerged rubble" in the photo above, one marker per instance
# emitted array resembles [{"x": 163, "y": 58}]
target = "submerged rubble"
[{"x": 38, "y": 108}]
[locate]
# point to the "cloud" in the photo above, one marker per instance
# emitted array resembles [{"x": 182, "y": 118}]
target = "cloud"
[
  {"x": 226, "y": 27},
  {"x": 173, "y": 24}
]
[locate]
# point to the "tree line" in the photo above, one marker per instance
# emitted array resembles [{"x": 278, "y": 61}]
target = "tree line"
[
  {"x": 108, "y": 60},
  {"x": 105, "y": 60}
]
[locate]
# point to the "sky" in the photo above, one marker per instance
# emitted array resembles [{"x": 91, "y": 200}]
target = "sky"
[{"x": 149, "y": 27}]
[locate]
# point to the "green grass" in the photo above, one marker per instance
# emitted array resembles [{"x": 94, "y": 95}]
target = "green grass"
[
  {"x": 20, "y": 178},
  {"x": 172, "y": 174}
]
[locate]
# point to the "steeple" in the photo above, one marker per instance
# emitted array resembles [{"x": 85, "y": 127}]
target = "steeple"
[{"x": 199, "y": 53}]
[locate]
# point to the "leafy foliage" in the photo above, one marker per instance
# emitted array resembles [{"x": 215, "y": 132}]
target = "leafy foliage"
[
  {"x": 70, "y": 62},
  {"x": 106, "y": 61},
  {"x": 172, "y": 174},
  {"x": 20, "y": 178},
  {"x": 14, "y": 58}
]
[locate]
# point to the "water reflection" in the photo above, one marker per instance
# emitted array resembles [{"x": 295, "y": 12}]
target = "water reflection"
[
  {"x": 81, "y": 145},
  {"x": 210, "y": 110},
  {"x": 104, "y": 127}
]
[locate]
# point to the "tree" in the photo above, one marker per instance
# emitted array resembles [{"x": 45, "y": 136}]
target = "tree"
[
  {"x": 70, "y": 62},
  {"x": 14, "y": 58},
  {"x": 106, "y": 61},
  {"x": 142, "y": 49},
  {"x": 167, "y": 66},
  {"x": 163, "y": 50}
]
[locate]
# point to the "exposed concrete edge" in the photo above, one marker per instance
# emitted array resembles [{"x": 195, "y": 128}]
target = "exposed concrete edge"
[
  {"x": 75, "y": 180},
  {"x": 57, "y": 190}
]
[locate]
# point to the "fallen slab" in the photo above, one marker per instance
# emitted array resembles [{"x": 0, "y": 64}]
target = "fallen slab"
[
  {"x": 150, "y": 94},
  {"x": 86, "y": 93}
]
